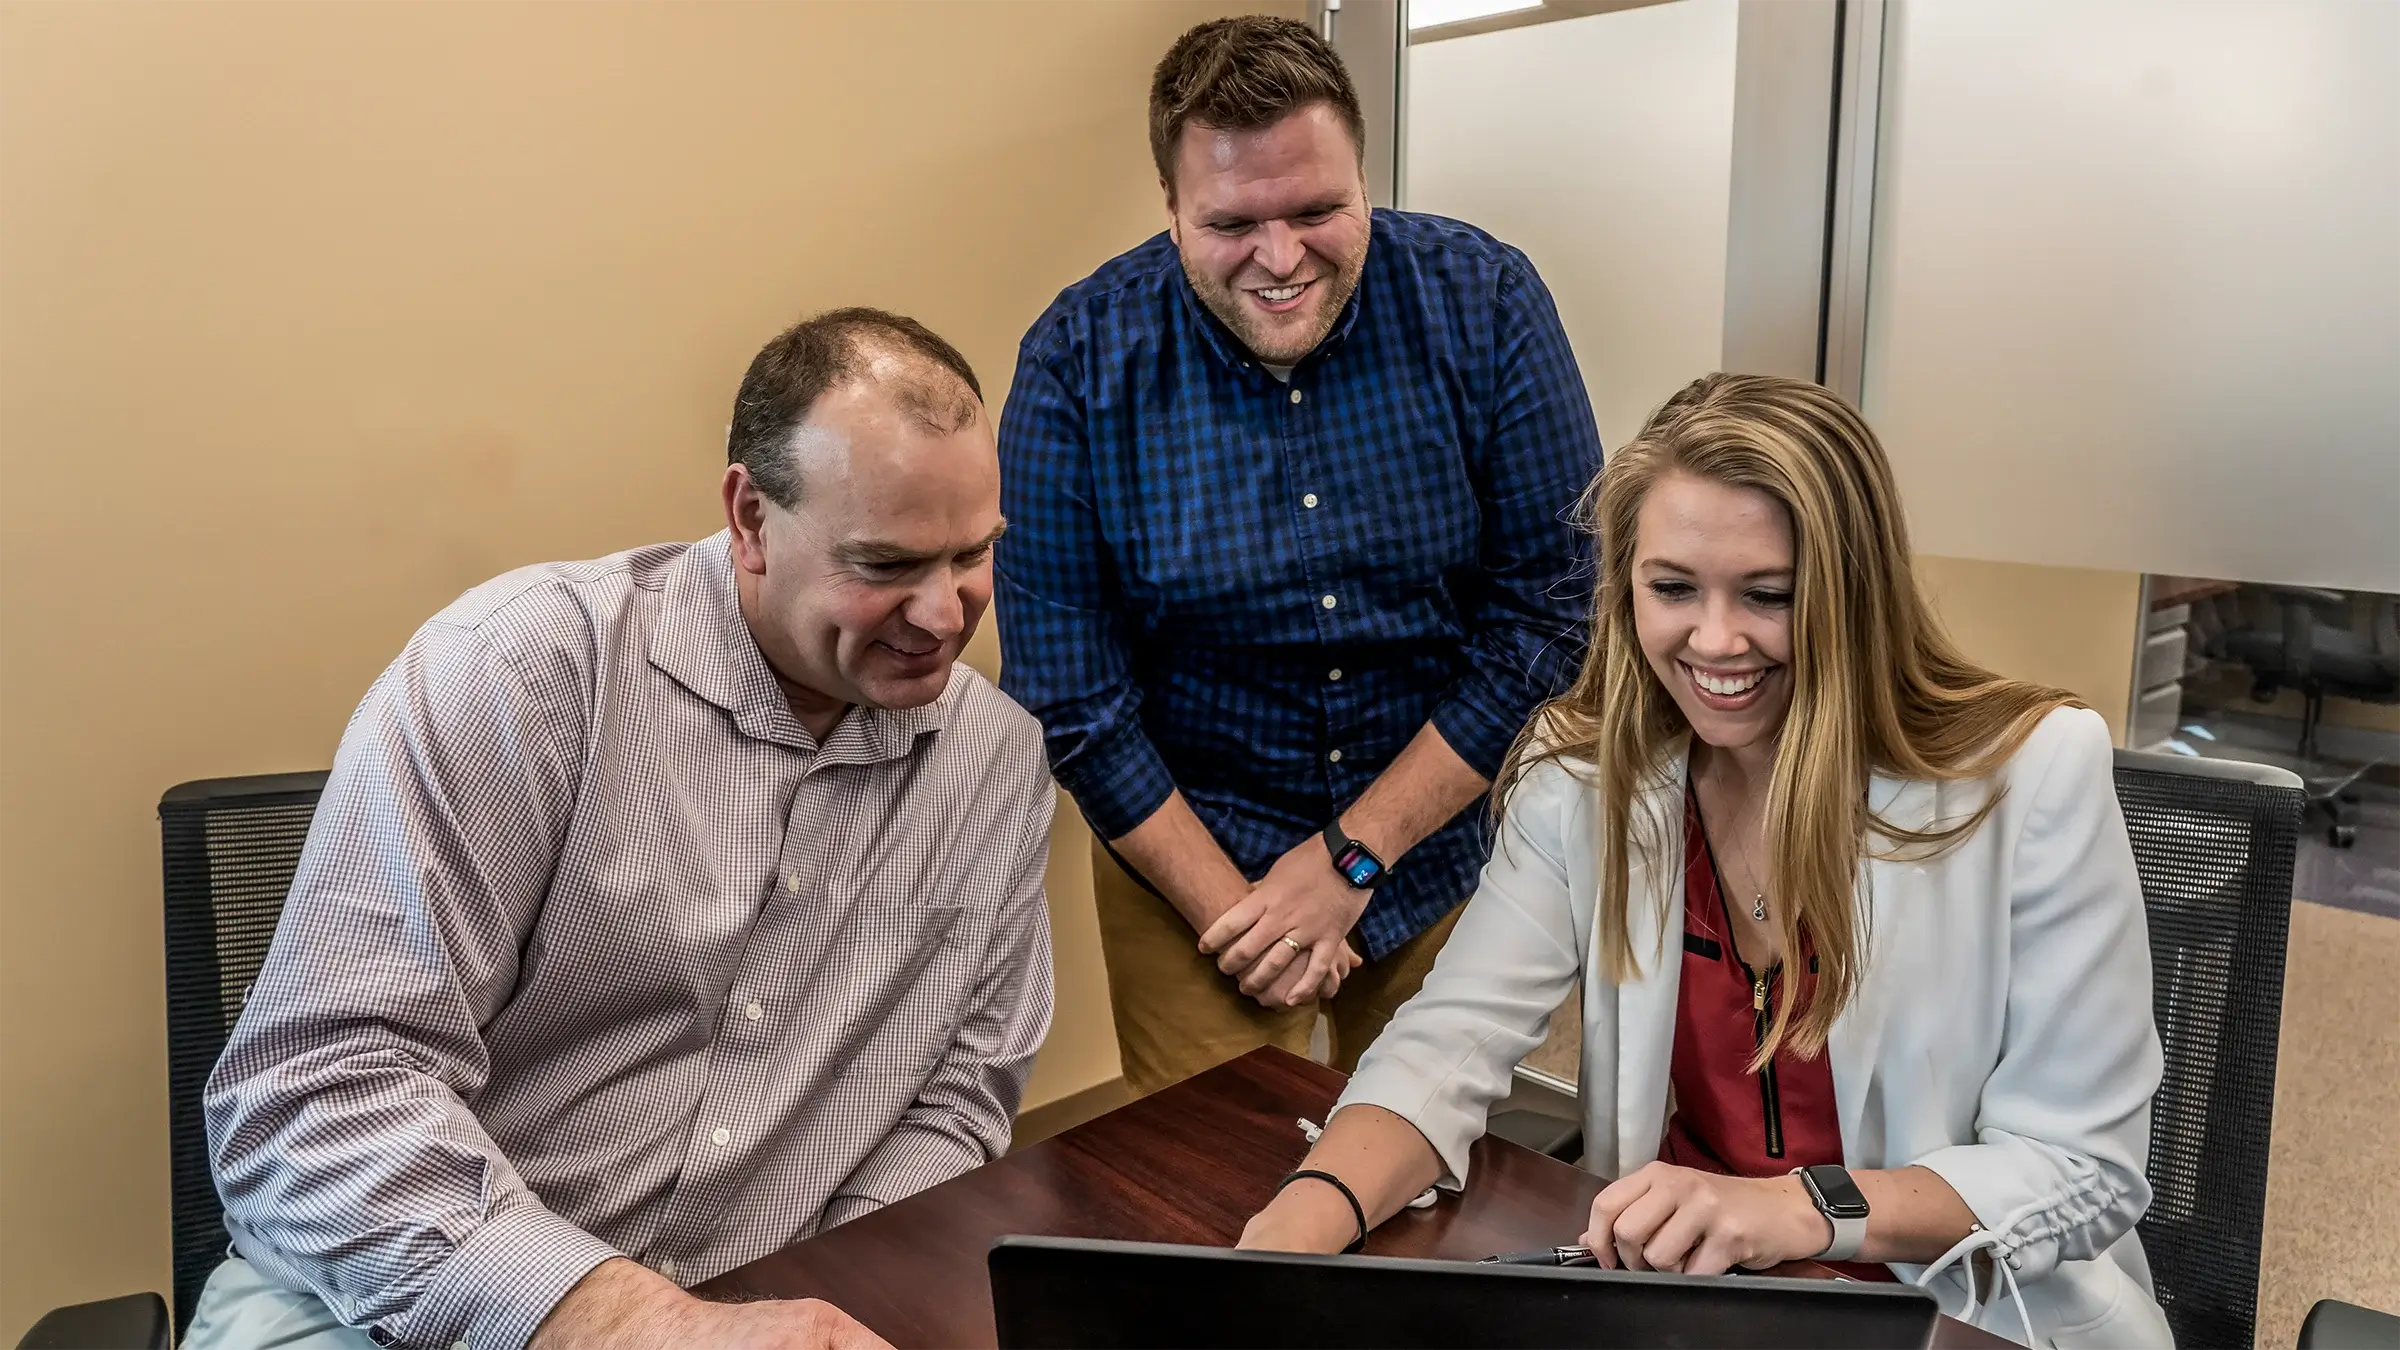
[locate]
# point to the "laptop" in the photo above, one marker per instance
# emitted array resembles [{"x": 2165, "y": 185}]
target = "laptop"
[{"x": 1067, "y": 1293}]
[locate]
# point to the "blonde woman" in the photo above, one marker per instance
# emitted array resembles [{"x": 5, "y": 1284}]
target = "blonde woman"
[{"x": 1844, "y": 902}]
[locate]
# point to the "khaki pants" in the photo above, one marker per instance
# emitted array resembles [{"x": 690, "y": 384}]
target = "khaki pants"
[{"x": 1177, "y": 1014}]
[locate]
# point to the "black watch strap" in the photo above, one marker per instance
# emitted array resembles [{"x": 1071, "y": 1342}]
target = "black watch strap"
[{"x": 1357, "y": 863}]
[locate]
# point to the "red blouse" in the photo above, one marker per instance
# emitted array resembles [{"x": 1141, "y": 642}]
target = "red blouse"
[{"x": 1727, "y": 1119}]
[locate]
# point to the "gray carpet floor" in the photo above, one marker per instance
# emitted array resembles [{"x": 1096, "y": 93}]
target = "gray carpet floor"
[{"x": 2333, "y": 1186}]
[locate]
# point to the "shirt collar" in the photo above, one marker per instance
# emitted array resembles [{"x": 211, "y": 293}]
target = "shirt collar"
[
  {"x": 1229, "y": 348},
  {"x": 702, "y": 641}
]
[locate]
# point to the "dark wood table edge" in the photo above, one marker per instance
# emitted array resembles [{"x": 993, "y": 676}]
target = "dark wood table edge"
[{"x": 1949, "y": 1332}]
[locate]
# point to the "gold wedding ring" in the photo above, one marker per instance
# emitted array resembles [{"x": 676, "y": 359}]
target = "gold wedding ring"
[{"x": 1287, "y": 941}]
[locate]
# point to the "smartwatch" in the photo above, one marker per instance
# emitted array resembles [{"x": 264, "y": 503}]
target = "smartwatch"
[
  {"x": 1837, "y": 1197},
  {"x": 1355, "y": 861}
]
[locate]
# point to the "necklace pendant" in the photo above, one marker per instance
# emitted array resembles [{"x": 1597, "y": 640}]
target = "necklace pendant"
[{"x": 1758, "y": 908}]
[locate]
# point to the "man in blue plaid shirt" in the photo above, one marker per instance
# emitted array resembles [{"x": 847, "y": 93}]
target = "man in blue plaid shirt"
[{"x": 1290, "y": 561}]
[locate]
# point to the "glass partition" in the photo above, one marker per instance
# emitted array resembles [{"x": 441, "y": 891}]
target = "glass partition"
[{"x": 2134, "y": 298}]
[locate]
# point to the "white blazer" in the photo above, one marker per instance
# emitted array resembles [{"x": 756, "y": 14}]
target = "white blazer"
[{"x": 2001, "y": 1036}]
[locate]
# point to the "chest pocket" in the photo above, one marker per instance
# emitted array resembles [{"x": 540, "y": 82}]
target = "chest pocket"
[
  {"x": 909, "y": 970},
  {"x": 1203, "y": 522}
]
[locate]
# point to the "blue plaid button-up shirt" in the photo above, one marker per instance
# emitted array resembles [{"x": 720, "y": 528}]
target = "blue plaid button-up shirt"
[{"x": 1258, "y": 592}]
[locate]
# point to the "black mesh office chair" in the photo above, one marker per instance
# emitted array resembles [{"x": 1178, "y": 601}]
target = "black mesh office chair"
[
  {"x": 2214, "y": 842},
  {"x": 231, "y": 847}
]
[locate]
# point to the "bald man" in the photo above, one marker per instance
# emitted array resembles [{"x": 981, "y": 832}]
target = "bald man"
[{"x": 661, "y": 910}]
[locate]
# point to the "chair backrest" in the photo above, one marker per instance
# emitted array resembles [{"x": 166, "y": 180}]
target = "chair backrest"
[
  {"x": 2214, "y": 843},
  {"x": 231, "y": 845}
]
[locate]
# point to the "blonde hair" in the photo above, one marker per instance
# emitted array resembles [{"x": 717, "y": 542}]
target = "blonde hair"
[{"x": 1876, "y": 685}]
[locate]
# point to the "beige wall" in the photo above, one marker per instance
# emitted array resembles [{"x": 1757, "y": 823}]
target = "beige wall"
[
  {"x": 2068, "y": 626},
  {"x": 315, "y": 315}
]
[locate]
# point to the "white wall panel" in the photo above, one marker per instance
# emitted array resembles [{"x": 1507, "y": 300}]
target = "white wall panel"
[
  {"x": 1602, "y": 147},
  {"x": 2135, "y": 293}
]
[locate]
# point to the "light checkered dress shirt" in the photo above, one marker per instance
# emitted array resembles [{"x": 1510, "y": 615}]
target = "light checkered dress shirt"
[{"x": 594, "y": 951}]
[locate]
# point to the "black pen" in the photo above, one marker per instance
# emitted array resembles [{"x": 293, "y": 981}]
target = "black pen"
[{"x": 1548, "y": 1256}]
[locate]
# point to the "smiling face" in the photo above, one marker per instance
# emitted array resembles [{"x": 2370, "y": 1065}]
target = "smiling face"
[
  {"x": 1271, "y": 224},
  {"x": 1712, "y": 606},
  {"x": 868, "y": 587}
]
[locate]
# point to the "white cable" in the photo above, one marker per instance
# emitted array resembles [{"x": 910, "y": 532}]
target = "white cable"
[{"x": 1982, "y": 1239}]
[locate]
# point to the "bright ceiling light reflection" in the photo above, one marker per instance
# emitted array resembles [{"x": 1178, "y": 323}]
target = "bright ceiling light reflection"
[{"x": 1435, "y": 13}]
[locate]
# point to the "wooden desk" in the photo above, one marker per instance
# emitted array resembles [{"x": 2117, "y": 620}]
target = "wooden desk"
[{"x": 1191, "y": 1165}]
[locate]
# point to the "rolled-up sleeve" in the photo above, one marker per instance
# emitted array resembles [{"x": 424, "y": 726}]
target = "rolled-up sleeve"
[
  {"x": 346, "y": 1157},
  {"x": 2062, "y": 1134},
  {"x": 963, "y": 1115},
  {"x": 1064, "y": 654},
  {"x": 1533, "y": 592}
]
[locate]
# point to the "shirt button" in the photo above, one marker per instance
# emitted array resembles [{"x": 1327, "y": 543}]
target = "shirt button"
[
  {"x": 754, "y": 1012},
  {"x": 1295, "y": 396},
  {"x": 667, "y": 1267},
  {"x": 1334, "y": 674},
  {"x": 791, "y": 882},
  {"x": 722, "y": 1137},
  {"x": 1329, "y": 602},
  {"x": 1333, "y": 757},
  {"x": 1309, "y": 501}
]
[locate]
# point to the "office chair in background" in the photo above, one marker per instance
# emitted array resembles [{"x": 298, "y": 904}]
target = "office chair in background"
[{"x": 2312, "y": 644}]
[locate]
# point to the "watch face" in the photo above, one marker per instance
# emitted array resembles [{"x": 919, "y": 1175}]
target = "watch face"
[
  {"x": 1358, "y": 866},
  {"x": 1836, "y": 1192}
]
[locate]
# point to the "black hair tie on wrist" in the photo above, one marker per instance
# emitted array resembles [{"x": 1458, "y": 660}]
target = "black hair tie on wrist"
[{"x": 1357, "y": 1210}]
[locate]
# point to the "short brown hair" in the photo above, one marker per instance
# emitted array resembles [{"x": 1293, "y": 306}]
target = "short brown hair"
[
  {"x": 812, "y": 357},
  {"x": 1241, "y": 74}
]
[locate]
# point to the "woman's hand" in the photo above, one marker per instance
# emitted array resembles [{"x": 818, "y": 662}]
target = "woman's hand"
[{"x": 1674, "y": 1218}]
